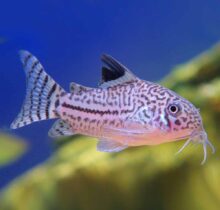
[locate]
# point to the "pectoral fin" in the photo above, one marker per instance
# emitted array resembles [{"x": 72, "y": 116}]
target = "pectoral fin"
[
  {"x": 60, "y": 129},
  {"x": 106, "y": 145}
]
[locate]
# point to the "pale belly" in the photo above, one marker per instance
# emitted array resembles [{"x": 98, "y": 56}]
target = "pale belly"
[{"x": 137, "y": 138}]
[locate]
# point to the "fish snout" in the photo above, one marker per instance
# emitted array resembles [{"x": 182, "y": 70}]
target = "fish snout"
[{"x": 199, "y": 136}]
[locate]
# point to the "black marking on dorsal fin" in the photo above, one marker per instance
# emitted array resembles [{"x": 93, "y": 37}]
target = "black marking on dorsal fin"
[
  {"x": 114, "y": 72},
  {"x": 108, "y": 75},
  {"x": 113, "y": 64}
]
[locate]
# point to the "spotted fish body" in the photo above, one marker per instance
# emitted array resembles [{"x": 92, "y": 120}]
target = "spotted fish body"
[
  {"x": 123, "y": 111},
  {"x": 98, "y": 112}
]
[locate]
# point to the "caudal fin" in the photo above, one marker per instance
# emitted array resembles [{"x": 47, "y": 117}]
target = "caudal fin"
[{"x": 42, "y": 94}]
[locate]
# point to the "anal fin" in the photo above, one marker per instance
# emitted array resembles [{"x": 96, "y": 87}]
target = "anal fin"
[
  {"x": 59, "y": 129},
  {"x": 106, "y": 145}
]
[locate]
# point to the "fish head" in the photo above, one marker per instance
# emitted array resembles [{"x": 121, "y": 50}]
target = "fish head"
[
  {"x": 183, "y": 118},
  {"x": 180, "y": 119}
]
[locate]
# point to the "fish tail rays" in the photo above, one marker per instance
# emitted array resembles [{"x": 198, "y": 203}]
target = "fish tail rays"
[{"x": 42, "y": 93}]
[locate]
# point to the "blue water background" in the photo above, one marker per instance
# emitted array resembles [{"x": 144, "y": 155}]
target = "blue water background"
[{"x": 68, "y": 37}]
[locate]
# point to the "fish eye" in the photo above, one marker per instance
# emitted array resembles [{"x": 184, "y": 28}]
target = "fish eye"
[{"x": 174, "y": 109}]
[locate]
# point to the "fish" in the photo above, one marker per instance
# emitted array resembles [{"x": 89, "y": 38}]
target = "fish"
[{"x": 123, "y": 111}]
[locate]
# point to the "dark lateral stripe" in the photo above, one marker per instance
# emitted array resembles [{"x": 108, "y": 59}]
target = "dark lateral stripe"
[{"x": 92, "y": 111}]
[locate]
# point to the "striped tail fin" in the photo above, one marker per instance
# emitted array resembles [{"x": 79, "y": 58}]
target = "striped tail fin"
[{"x": 42, "y": 95}]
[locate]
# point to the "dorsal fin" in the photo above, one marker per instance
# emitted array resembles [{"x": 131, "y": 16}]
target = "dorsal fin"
[
  {"x": 114, "y": 73},
  {"x": 77, "y": 88}
]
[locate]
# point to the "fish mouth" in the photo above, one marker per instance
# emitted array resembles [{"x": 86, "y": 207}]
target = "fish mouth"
[{"x": 199, "y": 137}]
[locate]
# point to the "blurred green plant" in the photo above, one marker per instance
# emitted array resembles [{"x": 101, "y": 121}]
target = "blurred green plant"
[
  {"x": 10, "y": 149},
  {"x": 78, "y": 177}
]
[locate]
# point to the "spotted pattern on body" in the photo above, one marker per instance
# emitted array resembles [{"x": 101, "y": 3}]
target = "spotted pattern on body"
[{"x": 123, "y": 111}]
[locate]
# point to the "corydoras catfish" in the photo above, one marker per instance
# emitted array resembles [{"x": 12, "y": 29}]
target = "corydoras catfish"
[{"x": 123, "y": 111}]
